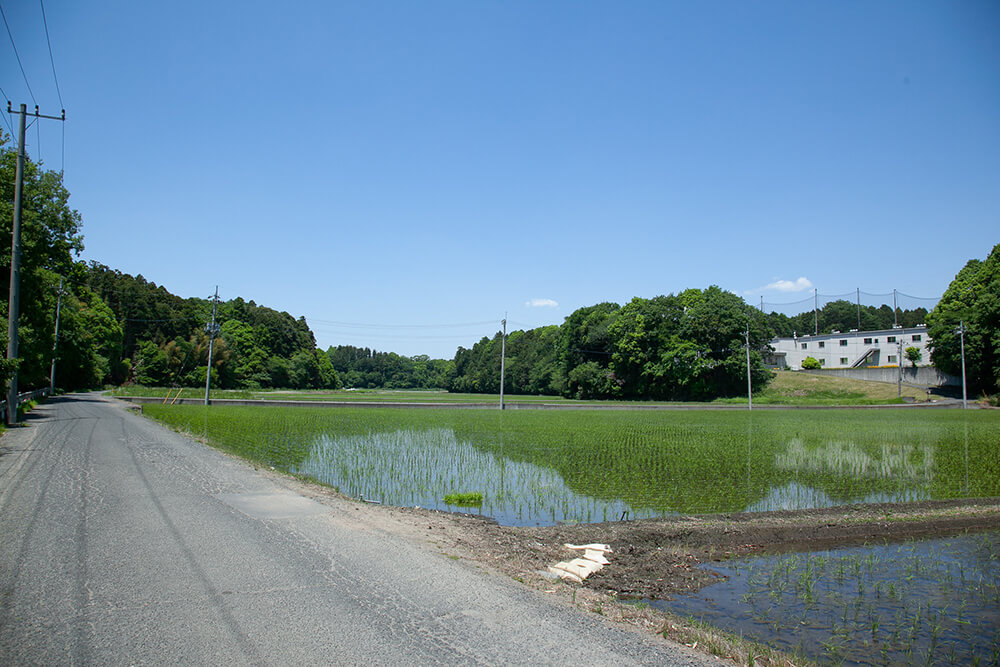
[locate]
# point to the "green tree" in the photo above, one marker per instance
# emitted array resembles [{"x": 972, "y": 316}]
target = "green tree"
[
  {"x": 247, "y": 368},
  {"x": 90, "y": 341},
  {"x": 278, "y": 369},
  {"x": 327, "y": 374},
  {"x": 716, "y": 321},
  {"x": 643, "y": 337},
  {"x": 591, "y": 380},
  {"x": 972, "y": 298},
  {"x": 303, "y": 371},
  {"x": 914, "y": 355},
  {"x": 584, "y": 338},
  {"x": 150, "y": 366},
  {"x": 50, "y": 236}
]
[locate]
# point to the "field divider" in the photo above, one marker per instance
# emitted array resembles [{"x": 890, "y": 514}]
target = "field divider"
[{"x": 492, "y": 405}]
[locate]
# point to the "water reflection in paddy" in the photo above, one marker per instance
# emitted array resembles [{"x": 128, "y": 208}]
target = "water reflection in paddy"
[
  {"x": 527, "y": 484},
  {"x": 420, "y": 468}
]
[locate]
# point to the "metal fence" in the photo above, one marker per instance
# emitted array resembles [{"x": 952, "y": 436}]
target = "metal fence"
[{"x": 23, "y": 398}]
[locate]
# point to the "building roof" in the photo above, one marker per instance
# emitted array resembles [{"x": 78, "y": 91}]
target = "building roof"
[{"x": 856, "y": 333}]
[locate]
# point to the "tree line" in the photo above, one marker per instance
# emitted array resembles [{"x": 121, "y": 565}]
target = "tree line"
[
  {"x": 686, "y": 346},
  {"x": 115, "y": 328}
]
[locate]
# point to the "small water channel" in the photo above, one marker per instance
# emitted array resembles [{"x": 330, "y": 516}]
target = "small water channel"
[{"x": 920, "y": 602}]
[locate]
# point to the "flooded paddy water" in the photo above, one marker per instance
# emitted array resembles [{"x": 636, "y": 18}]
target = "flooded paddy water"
[
  {"x": 929, "y": 602},
  {"x": 550, "y": 467},
  {"x": 918, "y": 602}
]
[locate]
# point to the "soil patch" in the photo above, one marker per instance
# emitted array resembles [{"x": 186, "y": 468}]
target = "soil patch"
[{"x": 655, "y": 558}]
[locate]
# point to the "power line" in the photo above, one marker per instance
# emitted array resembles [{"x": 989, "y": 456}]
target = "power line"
[
  {"x": 355, "y": 325},
  {"x": 62, "y": 150},
  {"x": 51, "y": 59},
  {"x": 11, "y": 35},
  {"x": 358, "y": 335},
  {"x": 10, "y": 126}
]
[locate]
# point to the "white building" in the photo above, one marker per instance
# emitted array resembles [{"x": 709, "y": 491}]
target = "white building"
[{"x": 854, "y": 349}]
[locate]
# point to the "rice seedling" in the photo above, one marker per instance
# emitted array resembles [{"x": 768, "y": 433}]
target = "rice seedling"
[
  {"x": 921, "y": 618},
  {"x": 537, "y": 467}
]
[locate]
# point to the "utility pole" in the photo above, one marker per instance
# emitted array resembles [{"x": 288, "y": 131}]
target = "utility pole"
[
  {"x": 961, "y": 334},
  {"x": 859, "y": 309},
  {"x": 895, "y": 322},
  {"x": 212, "y": 329},
  {"x": 815, "y": 312},
  {"x": 14, "y": 304},
  {"x": 15, "y": 268},
  {"x": 749, "y": 383},
  {"x": 55, "y": 340},
  {"x": 899, "y": 360},
  {"x": 503, "y": 355}
]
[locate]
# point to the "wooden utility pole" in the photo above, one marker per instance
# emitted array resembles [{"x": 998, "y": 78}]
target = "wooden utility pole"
[
  {"x": 14, "y": 305},
  {"x": 961, "y": 333},
  {"x": 55, "y": 340},
  {"x": 212, "y": 330},
  {"x": 15, "y": 267},
  {"x": 503, "y": 355},
  {"x": 749, "y": 381}
]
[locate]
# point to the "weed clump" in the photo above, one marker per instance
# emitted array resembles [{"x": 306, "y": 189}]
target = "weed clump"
[{"x": 474, "y": 499}]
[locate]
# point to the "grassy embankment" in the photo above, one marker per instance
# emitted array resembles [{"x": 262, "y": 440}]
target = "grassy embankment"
[
  {"x": 794, "y": 388},
  {"x": 787, "y": 388}
]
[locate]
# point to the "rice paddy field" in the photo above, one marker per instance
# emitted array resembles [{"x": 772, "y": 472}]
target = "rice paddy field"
[
  {"x": 928, "y": 602},
  {"x": 549, "y": 467}
]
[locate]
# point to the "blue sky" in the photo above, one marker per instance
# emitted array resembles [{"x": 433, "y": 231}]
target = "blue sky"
[{"x": 441, "y": 163}]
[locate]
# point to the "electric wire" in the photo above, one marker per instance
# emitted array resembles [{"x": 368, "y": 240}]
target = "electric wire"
[
  {"x": 356, "y": 325},
  {"x": 6, "y": 117},
  {"x": 406, "y": 337},
  {"x": 51, "y": 59},
  {"x": 62, "y": 106},
  {"x": 17, "y": 55},
  {"x": 823, "y": 297}
]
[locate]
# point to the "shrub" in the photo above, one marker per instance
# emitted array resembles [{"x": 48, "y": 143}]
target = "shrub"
[{"x": 810, "y": 364}]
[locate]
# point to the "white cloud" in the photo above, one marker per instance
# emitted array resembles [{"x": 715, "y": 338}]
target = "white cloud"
[
  {"x": 541, "y": 303},
  {"x": 799, "y": 285}
]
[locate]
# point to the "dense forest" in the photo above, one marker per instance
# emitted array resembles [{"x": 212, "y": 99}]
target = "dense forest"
[{"x": 115, "y": 328}]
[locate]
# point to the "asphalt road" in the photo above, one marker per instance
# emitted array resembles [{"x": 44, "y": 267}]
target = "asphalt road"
[{"x": 124, "y": 543}]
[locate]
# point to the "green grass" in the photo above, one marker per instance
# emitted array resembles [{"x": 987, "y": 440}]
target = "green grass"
[
  {"x": 340, "y": 395},
  {"x": 787, "y": 388},
  {"x": 473, "y": 499},
  {"x": 795, "y": 388},
  {"x": 550, "y": 466}
]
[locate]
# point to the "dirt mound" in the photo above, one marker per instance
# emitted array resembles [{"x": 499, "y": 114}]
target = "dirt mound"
[{"x": 655, "y": 558}]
